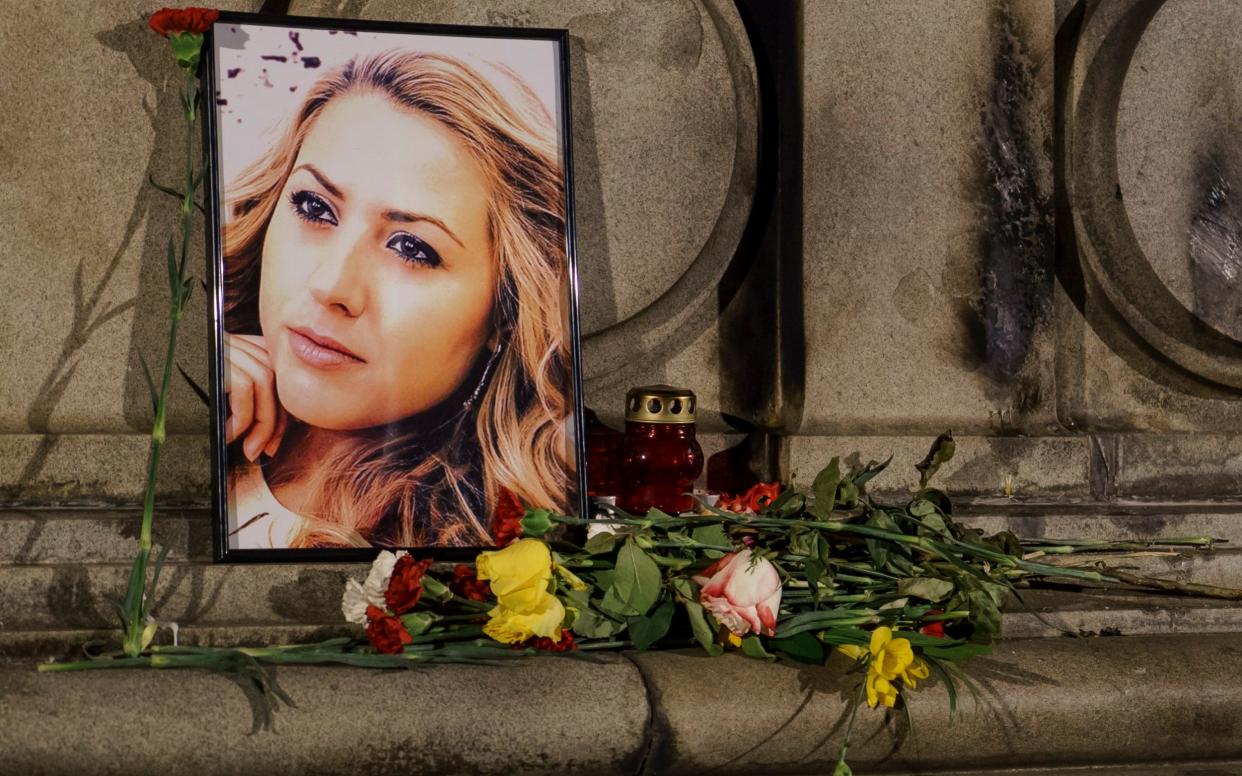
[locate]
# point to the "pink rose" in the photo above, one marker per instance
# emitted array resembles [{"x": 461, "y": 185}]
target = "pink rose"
[{"x": 741, "y": 595}]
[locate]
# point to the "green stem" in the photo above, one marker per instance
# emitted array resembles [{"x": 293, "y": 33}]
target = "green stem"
[{"x": 136, "y": 603}]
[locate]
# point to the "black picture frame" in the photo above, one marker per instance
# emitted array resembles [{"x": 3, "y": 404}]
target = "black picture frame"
[{"x": 214, "y": 187}]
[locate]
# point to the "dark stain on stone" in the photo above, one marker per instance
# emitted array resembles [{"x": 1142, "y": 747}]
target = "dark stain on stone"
[
  {"x": 233, "y": 71},
  {"x": 316, "y": 595},
  {"x": 73, "y": 601},
  {"x": 1018, "y": 264},
  {"x": 1216, "y": 247},
  {"x": 295, "y": 36},
  {"x": 310, "y": 62},
  {"x": 275, "y": 58},
  {"x": 221, "y": 101}
]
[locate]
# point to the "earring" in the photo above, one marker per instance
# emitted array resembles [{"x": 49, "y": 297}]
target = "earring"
[{"x": 487, "y": 371}]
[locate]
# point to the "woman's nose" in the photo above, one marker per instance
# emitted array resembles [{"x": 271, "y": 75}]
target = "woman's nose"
[{"x": 339, "y": 279}]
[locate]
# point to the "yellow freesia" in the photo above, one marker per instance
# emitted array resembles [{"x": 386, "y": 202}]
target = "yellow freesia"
[
  {"x": 890, "y": 659},
  {"x": 519, "y": 576}
]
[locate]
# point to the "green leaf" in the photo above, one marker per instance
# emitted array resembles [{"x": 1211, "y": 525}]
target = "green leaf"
[
  {"x": 941, "y": 451},
  {"x": 637, "y": 584},
  {"x": 825, "y": 489},
  {"x": 870, "y": 471},
  {"x": 881, "y": 549},
  {"x": 600, "y": 543},
  {"x": 198, "y": 389},
  {"x": 804, "y": 648},
  {"x": 802, "y": 540},
  {"x": 146, "y": 371},
  {"x": 752, "y": 646},
  {"x": 677, "y": 564},
  {"x": 842, "y": 769},
  {"x": 927, "y": 588},
  {"x": 646, "y": 631},
  {"x": 169, "y": 191},
  {"x": 685, "y": 588},
  {"x": 589, "y": 622},
  {"x": 984, "y": 615},
  {"x": 813, "y": 571},
  {"x": 604, "y": 578},
  {"x": 922, "y": 507},
  {"x": 714, "y": 535},
  {"x": 817, "y": 620},
  {"x": 933, "y": 525},
  {"x": 155, "y": 574},
  {"x": 703, "y": 632}
]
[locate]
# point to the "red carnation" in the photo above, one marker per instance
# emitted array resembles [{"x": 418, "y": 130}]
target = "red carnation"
[
  {"x": 936, "y": 628},
  {"x": 753, "y": 500},
  {"x": 545, "y": 644},
  {"x": 386, "y": 632},
  {"x": 467, "y": 584},
  {"x": 169, "y": 21},
  {"x": 761, "y": 494},
  {"x": 406, "y": 584},
  {"x": 507, "y": 519}
]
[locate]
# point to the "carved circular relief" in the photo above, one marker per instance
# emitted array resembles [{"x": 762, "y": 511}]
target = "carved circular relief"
[{"x": 1139, "y": 179}]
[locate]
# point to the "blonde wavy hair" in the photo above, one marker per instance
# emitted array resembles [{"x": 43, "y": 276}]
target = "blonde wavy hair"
[{"x": 406, "y": 484}]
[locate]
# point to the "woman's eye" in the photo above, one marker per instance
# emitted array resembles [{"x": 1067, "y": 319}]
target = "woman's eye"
[
  {"x": 311, "y": 207},
  {"x": 412, "y": 249}
]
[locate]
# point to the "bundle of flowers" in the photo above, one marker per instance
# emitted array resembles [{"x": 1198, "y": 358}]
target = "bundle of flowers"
[{"x": 904, "y": 590}]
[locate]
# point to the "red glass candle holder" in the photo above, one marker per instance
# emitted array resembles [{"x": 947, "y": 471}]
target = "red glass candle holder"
[
  {"x": 660, "y": 457},
  {"x": 603, "y": 453}
]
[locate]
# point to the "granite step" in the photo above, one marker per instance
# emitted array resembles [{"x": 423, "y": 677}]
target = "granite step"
[{"x": 1135, "y": 705}]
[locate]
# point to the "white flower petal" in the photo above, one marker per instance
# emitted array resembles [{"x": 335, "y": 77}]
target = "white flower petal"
[
  {"x": 354, "y": 603},
  {"x": 381, "y": 572}
]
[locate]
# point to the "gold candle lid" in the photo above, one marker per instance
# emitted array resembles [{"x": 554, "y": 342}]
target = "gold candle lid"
[{"x": 659, "y": 404}]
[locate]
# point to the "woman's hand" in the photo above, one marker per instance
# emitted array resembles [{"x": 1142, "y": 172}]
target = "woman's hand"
[{"x": 255, "y": 412}]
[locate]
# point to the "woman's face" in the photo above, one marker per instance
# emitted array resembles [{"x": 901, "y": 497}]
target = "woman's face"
[{"x": 377, "y": 277}]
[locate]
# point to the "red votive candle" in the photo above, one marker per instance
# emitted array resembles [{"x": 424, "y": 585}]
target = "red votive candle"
[{"x": 660, "y": 457}]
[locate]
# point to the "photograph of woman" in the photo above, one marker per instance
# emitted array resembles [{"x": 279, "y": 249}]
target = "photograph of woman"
[{"x": 396, "y": 347}]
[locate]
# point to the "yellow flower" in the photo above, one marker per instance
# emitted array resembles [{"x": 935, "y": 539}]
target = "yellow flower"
[
  {"x": 519, "y": 573},
  {"x": 510, "y": 627},
  {"x": 519, "y": 576},
  {"x": 890, "y": 658}
]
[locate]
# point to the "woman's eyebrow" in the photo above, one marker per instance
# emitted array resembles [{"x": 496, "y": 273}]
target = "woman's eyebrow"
[
  {"x": 406, "y": 217},
  {"x": 402, "y": 216},
  {"x": 323, "y": 179}
]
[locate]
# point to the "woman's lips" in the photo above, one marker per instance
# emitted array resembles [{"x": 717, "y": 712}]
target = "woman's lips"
[{"x": 320, "y": 351}]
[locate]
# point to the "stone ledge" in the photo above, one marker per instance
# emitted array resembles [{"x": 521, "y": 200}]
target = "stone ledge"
[{"x": 1043, "y": 704}]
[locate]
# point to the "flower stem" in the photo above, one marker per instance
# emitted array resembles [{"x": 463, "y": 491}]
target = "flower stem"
[{"x": 135, "y": 619}]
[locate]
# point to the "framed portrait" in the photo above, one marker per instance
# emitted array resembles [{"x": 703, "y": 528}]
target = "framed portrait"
[{"x": 395, "y": 355}]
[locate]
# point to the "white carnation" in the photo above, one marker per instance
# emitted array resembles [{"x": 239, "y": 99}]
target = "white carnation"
[{"x": 357, "y": 597}]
